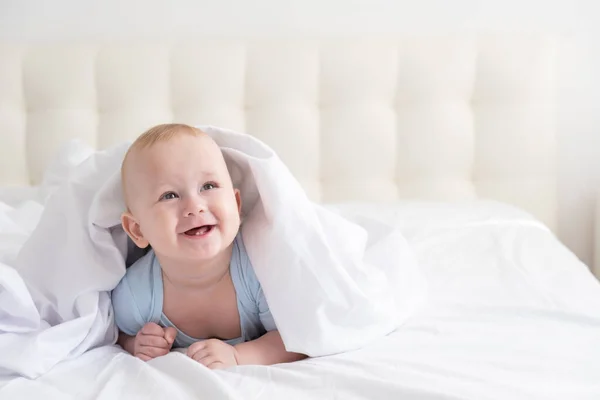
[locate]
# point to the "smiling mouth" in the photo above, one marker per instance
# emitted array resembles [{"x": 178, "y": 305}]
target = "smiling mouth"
[{"x": 199, "y": 231}]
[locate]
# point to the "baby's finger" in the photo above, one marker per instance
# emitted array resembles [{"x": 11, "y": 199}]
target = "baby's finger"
[
  {"x": 193, "y": 349},
  {"x": 170, "y": 334},
  {"x": 153, "y": 329},
  {"x": 153, "y": 341},
  {"x": 210, "y": 359},
  {"x": 152, "y": 351},
  {"x": 200, "y": 354},
  {"x": 216, "y": 365}
]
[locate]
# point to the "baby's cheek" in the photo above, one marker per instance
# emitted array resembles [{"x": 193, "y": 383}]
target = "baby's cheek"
[
  {"x": 233, "y": 217},
  {"x": 229, "y": 224},
  {"x": 159, "y": 230}
]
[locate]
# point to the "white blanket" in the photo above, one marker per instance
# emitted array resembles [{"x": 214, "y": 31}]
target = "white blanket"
[{"x": 332, "y": 285}]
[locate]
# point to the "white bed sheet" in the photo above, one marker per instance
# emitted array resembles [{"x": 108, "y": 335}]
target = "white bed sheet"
[
  {"x": 512, "y": 314},
  {"x": 17, "y": 194}
]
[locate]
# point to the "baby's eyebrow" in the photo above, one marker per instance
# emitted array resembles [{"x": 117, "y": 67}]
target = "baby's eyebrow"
[
  {"x": 159, "y": 184},
  {"x": 160, "y": 187},
  {"x": 209, "y": 174}
]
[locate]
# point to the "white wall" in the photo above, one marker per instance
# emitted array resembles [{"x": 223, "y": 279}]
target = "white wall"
[{"x": 579, "y": 141}]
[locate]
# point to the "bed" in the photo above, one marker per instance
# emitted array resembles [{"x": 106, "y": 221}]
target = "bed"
[{"x": 451, "y": 139}]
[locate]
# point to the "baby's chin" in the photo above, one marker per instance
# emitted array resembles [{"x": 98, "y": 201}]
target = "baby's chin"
[
  {"x": 183, "y": 258},
  {"x": 198, "y": 252}
]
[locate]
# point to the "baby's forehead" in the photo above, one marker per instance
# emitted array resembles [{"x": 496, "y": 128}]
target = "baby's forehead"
[{"x": 167, "y": 157}]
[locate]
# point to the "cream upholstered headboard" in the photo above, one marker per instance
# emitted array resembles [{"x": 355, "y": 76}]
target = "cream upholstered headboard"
[{"x": 363, "y": 120}]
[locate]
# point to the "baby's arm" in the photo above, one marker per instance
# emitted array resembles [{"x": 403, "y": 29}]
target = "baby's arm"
[
  {"x": 126, "y": 342},
  {"x": 133, "y": 303},
  {"x": 266, "y": 350}
]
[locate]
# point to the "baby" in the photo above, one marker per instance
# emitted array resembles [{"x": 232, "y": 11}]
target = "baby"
[{"x": 196, "y": 287}]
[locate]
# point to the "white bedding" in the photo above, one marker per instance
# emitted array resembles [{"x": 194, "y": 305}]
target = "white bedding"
[
  {"x": 15, "y": 195},
  {"x": 332, "y": 286},
  {"x": 512, "y": 314}
]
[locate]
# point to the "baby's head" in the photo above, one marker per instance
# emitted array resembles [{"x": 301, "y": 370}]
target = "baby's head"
[{"x": 179, "y": 194}]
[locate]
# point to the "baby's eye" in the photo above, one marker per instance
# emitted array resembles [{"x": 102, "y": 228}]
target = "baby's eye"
[
  {"x": 209, "y": 186},
  {"x": 169, "y": 196}
]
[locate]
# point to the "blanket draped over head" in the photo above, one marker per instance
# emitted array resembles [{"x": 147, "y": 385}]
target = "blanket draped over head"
[{"x": 333, "y": 285}]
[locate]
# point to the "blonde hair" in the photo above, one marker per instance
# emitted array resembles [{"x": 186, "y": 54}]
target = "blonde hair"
[
  {"x": 162, "y": 133},
  {"x": 156, "y": 134}
]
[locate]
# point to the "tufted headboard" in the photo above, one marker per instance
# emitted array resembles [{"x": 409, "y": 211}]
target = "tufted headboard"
[{"x": 443, "y": 118}]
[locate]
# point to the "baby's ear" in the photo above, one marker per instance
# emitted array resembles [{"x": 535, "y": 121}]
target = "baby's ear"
[
  {"x": 132, "y": 228},
  {"x": 238, "y": 199}
]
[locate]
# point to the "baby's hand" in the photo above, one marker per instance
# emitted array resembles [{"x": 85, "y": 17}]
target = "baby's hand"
[
  {"x": 213, "y": 353},
  {"x": 153, "y": 341}
]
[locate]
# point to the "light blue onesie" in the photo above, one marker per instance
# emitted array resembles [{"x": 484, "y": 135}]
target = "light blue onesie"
[{"x": 138, "y": 298}]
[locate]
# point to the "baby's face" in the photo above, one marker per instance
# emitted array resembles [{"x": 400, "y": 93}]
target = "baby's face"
[{"x": 181, "y": 196}]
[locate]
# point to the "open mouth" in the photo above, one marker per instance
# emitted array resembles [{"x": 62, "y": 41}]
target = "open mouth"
[{"x": 199, "y": 231}]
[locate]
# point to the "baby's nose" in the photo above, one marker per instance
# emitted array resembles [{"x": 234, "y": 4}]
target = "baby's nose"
[{"x": 193, "y": 206}]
